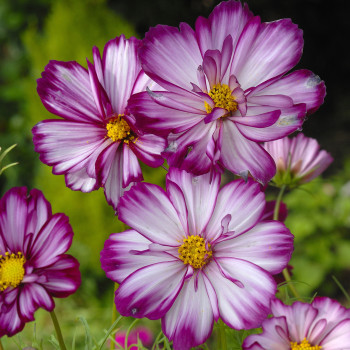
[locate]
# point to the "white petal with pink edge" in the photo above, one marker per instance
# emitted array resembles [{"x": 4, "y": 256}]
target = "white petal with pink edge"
[
  {"x": 131, "y": 167},
  {"x": 147, "y": 209},
  {"x": 244, "y": 202},
  {"x": 239, "y": 155},
  {"x": 190, "y": 320},
  {"x": 200, "y": 193},
  {"x": 171, "y": 54},
  {"x": 266, "y": 50},
  {"x": 119, "y": 257},
  {"x": 120, "y": 69},
  {"x": 244, "y": 291},
  {"x": 65, "y": 90},
  {"x": 80, "y": 181},
  {"x": 151, "y": 291},
  {"x": 268, "y": 245}
]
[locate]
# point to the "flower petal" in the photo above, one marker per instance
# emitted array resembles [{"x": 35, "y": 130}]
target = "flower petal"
[
  {"x": 268, "y": 245},
  {"x": 190, "y": 320},
  {"x": 120, "y": 69},
  {"x": 131, "y": 167},
  {"x": 266, "y": 50},
  {"x": 10, "y": 320},
  {"x": 244, "y": 305},
  {"x": 200, "y": 193},
  {"x": 244, "y": 202},
  {"x": 239, "y": 155},
  {"x": 171, "y": 54},
  {"x": 80, "y": 181},
  {"x": 147, "y": 209},
  {"x": 31, "y": 297},
  {"x": 54, "y": 239},
  {"x": 65, "y": 90},
  {"x": 150, "y": 291}
]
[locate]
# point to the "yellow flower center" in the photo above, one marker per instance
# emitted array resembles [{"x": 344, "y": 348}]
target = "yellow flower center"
[
  {"x": 304, "y": 345},
  {"x": 221, "y": 96},
  {"x": 194, "y": 252},
  {"x": 119, "y": 130},
  {"x": 11, "y": 270}
]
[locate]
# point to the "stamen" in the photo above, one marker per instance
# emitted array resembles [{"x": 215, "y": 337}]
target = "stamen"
[
  {"x": 194, "y": 252},
  {"x": 304, "y": 345},
  {"x": 119, "y": 130},
  {"x": 11, "y": 270},
  {"x": 221, "y": 96}
]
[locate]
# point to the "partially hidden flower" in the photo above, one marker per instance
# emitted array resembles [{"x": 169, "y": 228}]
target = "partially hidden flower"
[
  {"x": 142, "y": 334},
  {"x": 96, "y": 143},
  {"x": 322, "y": 325},
  {"x": 298, "y": 160},
  {"x": 226, "y": 90},
  {"x": 196, "y": 253},
  {"x": 33, "y": 265}
]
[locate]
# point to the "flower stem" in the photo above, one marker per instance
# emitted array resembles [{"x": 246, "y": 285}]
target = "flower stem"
[
  {"x": 114, "y": 313},
  {"x": 222, "y": 335},
  {"x": 1, "y": 348},
  {"x": 285, "y": 272},
  {"x": 58, "y": 330}
]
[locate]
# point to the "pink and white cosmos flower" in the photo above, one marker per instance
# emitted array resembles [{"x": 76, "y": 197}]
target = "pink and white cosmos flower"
[
  {"x": 323, "y": 324},
  {"x": 298, "y": 159},
  {"x": 33, "y": 264},
  {"x": 196, "y": 253},
  {"x": 226, "y": 90},
  {"x": 96, "y": 143}
]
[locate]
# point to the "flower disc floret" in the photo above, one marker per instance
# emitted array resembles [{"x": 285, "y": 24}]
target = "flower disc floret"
[
  {"x": 304, "y": 345},
  {"x": 119, "y": 130},
  {"x": 222, "y": 97},
  {"x": 194, "y": 252},
  {"x": 11, "y": 270}
]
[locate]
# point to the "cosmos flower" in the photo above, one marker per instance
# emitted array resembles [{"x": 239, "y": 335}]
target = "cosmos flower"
[
  {"x": 194, "y": 254},
  {"x": 33, "y": 266},
  {"x": 226, "y": 90},
  {"x": 298, "y": 160},
  {"x": 322, "y": 325},
  {"x": 96, "y": 143}
]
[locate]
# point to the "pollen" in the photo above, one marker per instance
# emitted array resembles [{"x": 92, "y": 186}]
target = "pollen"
[
  {"x": 222, "y": 97},
  {"x": 119, "y": 130},
  {"x": 194, "y": 251},
  {"x": 11, "y": 270},
  {"x": 304, "y": 345}
]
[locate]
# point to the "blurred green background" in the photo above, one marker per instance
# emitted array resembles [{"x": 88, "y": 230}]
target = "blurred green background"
[{"x": 34, "y": 32}]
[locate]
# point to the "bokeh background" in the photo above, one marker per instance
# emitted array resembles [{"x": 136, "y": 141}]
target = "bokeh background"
[{"x": 36, "y": 31}]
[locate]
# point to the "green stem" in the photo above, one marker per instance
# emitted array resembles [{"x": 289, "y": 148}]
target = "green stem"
[
  {"x": 222, "y": 336},
  {"x": 114, "y": 313},
  {"x": 1, "y": 348},
  {"x": 285, "y": 272},
  {"x": 58, "y": 330}
]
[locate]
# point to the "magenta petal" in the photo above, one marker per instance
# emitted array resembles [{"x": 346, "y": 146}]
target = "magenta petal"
[
  {"x": 10, "y": 320},
  {"x": 65, "y": 90},
  {"x": 147, "y": 209},
  {"x": 54, "y": 239},
  {"x": 13, "y": 214},
  {"x": 190, "y": 320},
  {"x": 31, "y": 297},
  {"x": 150, "y": 291},
  {"x": 240, "y": 155},
  {"x": 63, "y": 277}
]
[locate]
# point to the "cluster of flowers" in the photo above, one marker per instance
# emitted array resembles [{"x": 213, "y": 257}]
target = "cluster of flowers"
[{"x": 214, "y": 98}]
